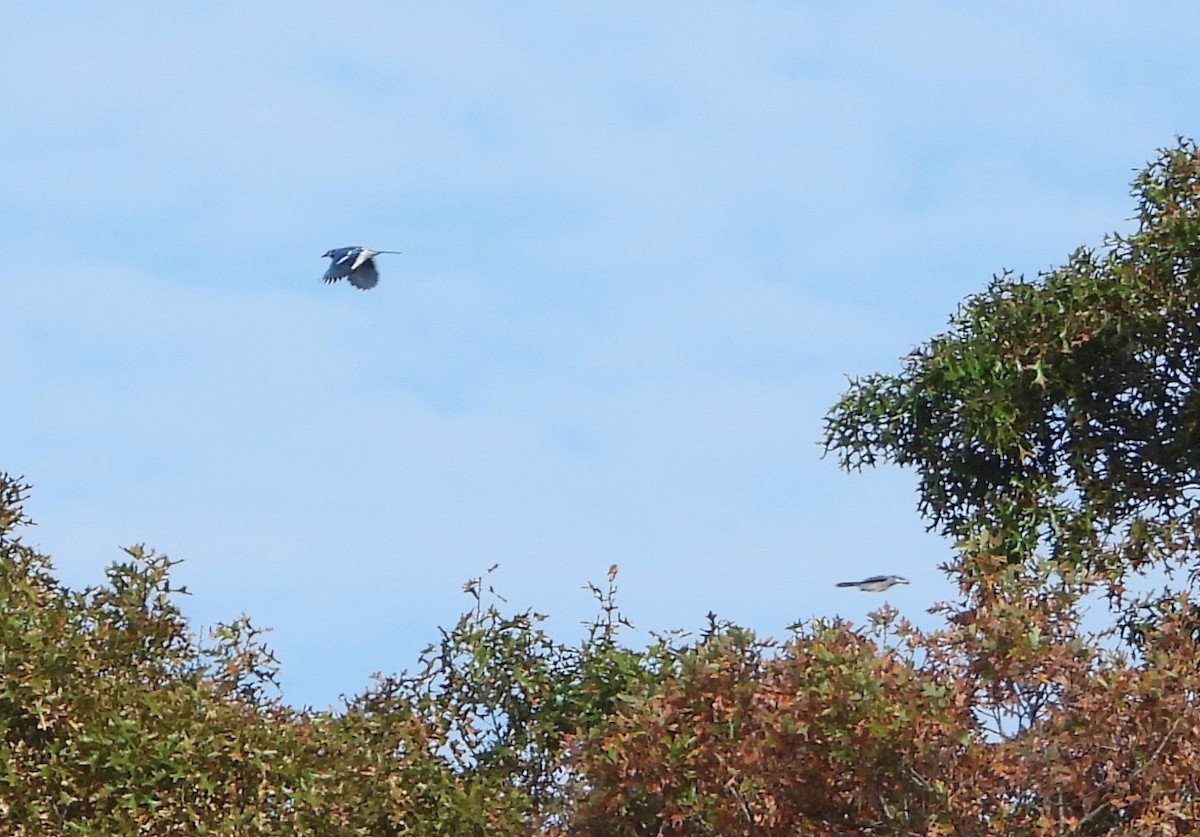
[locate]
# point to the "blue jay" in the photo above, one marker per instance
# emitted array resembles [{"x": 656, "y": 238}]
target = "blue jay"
[
  {"x": 355, "y": 264},
  {"x": 875, "y": 583}
]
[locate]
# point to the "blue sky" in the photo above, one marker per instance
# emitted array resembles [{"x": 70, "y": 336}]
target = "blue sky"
[{"x": 644, "y": 245}]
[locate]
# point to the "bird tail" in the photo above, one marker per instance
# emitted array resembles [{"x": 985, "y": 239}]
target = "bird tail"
[{"x": 846, "y": 583}]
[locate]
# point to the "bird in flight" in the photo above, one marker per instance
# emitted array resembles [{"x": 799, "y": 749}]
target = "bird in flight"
[
  {"x": 354, "y": 264},
  {"x": 875, "y": 583}
]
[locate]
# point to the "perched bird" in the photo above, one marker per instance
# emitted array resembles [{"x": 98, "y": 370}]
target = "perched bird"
[
  {"x": 875, "y": 583},
  {"x": 355, "y": 264}
]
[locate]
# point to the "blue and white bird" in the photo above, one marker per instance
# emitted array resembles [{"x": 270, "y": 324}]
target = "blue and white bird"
[
  {"x": 875, "y": 583},
  {"x": 354, "y": 264}
]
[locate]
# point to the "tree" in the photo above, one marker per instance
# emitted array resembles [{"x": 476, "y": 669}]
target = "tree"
[
  {"x": 1054, "y": 431},
  {"x": 1060, "y": 417},
  {"x": 115, "y": 719}
]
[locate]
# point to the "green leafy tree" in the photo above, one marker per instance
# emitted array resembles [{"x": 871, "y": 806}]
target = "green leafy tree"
[
  {"x": 1059, "y": 418},
  {"x": 115, "y": 719},
  {"x": 1054, "y": 431}
]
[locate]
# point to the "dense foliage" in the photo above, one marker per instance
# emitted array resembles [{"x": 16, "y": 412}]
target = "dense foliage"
[{"x": 1054, "y": 432}]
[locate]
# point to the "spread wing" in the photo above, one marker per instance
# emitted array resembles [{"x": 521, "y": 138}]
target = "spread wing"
[
  {"x": 343, "y": 260},
  {"x": 364, "y": 276}
]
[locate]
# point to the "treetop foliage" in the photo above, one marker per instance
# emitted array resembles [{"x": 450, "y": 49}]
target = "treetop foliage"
[{"x": 1061, "y": 413}]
